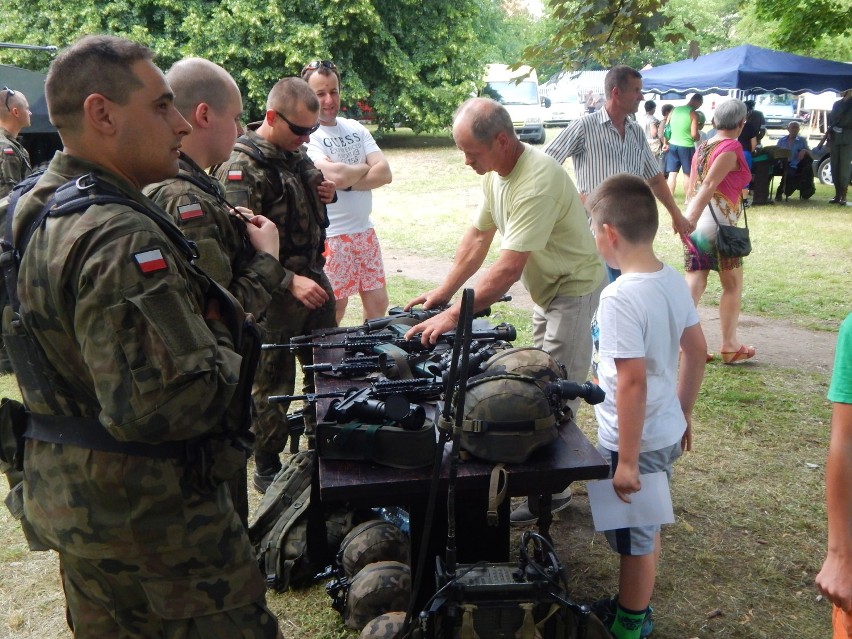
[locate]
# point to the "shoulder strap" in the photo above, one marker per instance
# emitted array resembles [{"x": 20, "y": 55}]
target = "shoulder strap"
[{"x": 245, "y": 144}]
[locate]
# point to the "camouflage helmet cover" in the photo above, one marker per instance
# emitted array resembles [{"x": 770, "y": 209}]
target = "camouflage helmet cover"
[
  {"x": 387, "y": 626},
  {"x": 372, "y": 541},
  {"x": 378, "y": 588},
  {"x": 507, "y": 414},
  {"x": 525, "y": 360}
]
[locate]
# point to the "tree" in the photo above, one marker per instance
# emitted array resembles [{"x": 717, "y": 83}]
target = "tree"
[
  {"x": 638, "y": 32},
  {"x": 601, "y": 31},
  {"x": 414, "y": 62}
]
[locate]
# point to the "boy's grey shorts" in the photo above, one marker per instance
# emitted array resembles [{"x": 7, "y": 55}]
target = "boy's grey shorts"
[{"x": 640, "y": 540}]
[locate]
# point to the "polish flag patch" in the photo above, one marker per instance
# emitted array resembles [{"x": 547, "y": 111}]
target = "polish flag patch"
[
  {"x": 150, "y": 261},
  {"x": 190, "y": 211},
  {"x": 235, "y": 175},
  {"x": 8, "y": 151}
]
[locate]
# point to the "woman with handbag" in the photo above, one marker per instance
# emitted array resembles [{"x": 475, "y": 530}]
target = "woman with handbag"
[{"x": 719, "y": 174}]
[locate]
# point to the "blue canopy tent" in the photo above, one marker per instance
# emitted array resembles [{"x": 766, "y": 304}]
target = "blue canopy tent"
[{"x": 750, "y": 69}]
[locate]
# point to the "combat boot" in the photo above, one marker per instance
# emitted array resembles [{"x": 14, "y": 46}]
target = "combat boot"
[{"x": 267, "y": 466}]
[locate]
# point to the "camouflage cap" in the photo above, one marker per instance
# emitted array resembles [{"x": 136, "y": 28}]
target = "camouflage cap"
[
  {"x": 378, "y": 588},
  {"x": 386, "y": 626},
  {"x": 372, "y": 541}
]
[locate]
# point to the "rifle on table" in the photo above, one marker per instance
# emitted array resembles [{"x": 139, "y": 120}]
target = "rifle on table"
[
  {"x": 395, "y": 314},
  {"x": 360, "y": 364},
  {"x": 366, "y": 343},
  {"x": 384, "y": 400}
]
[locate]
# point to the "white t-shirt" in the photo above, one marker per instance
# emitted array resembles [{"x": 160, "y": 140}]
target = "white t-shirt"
[
  {"x": 347, "y": 141},
  {"x": 643, "y": 315}
]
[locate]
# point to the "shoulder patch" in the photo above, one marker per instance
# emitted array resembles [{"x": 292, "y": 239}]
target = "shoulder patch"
[
  {"x": 190, "y": 211},
  {"x": 235, "y": 175},
  {"x": 9, "y": 151},
  {"x": 150, "y": 261}
]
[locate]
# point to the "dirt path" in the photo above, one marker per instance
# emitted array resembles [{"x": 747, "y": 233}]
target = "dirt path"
[{"x": 778, "y": 342}]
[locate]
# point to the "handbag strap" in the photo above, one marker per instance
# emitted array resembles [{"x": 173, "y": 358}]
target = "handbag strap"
[{"x": 742, "y": 208}]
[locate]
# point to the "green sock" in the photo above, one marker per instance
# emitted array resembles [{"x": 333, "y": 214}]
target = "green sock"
[{"x": 627, "y": 624}]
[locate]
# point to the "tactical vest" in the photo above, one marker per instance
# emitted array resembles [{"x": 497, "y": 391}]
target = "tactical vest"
[
  {"x": 35, "y": 373},
  {"x": 302, "y": 228}
]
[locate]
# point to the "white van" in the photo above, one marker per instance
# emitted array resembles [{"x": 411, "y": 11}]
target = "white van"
[{"x": 521, "y": 99}]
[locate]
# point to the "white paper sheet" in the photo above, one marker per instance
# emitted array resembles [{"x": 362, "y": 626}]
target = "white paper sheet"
[{"x": 650, "y": 506}]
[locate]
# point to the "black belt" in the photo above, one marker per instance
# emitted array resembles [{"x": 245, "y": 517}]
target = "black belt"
[{"x": 89, "y": 433}]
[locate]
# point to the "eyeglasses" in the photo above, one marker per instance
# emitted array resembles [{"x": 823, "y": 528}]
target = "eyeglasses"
[
  {"x": 9, "y": 94},
  {"x": 296, "y": 129},
  {"x": 316, "y": 64}
]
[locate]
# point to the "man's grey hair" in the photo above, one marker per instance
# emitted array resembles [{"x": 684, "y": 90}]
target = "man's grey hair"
[
  {"x": 486, "y": 118},
  {"x": 729, "y": 115}
]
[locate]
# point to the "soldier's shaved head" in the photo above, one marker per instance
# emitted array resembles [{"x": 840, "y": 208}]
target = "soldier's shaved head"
[
  {"x": 196, "y": 80},
  {"x": 290, "y": 92}
]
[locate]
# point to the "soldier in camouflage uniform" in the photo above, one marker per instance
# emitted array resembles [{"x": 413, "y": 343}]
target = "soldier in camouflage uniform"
[
  {"x": 14, "y": 165},
  {"x": 236, "y": 248},
  {"x": 14, "y": 159},
  {"x": 139, "y": 358},
  {"x": 269, "y": 173}
]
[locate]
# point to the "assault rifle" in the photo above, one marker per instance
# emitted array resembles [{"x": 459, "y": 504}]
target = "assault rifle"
[
  {"x": 393, "y": 400},
  {"x": 421, "y": 390},
  {"x": 366, "y": 343},
  {"x": 360, "y": 364},
  {"x": 395, "y": 314}
]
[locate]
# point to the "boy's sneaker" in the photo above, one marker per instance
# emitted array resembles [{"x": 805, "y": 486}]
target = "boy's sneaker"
[
  {"x": 606, "y": 609},
  {"x": 526, "y": 514}
]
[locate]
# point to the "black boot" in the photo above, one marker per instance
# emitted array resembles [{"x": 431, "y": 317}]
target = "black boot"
[
  {"x": 837, "y": 197},
  {"x": 266, "y": 468}
]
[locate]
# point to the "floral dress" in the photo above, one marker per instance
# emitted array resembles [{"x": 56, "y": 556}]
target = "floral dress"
[{"x": 700, "y": 252}]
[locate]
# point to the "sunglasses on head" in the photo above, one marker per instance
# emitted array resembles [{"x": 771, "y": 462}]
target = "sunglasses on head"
[
  {"x": 9, "y": 94},
  {"x": 295, "y": 128},
  {"x": 316, "y": 64}
]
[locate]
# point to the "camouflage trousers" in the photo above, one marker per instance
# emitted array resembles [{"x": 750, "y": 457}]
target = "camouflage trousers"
[
  {"x": 276, "y": 370},
  {"x": 102, "y": 601}
]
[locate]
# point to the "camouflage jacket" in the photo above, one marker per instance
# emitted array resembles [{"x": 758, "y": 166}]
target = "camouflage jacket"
[
  {"x": 119, "y": 315},
  {"x": 281, "y": 186},
  {"x": 224, "y": 252},
  {"x": 14, "y": 162}
]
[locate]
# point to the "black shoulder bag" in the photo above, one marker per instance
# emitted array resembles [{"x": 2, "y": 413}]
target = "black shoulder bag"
[{"x": 732, "y": 241}]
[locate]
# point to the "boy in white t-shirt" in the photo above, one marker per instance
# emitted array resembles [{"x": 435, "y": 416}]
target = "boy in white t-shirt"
[{"x": 644, "y": 319}]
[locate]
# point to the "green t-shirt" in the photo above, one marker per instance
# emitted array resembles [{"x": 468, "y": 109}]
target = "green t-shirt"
[
  {"x": 537, "y": 208},
  {"x": 681, "y": 123},
  {"x": 840, "y": 389}
]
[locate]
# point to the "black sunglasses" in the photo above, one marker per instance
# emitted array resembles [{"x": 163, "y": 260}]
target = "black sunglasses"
[
  {"x": 316, "y": 64},
  {"x": 9, "y": 94},
  {"x": 296, "y": 129}
]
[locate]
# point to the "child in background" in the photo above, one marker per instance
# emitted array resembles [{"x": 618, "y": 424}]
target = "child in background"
[{"x": 644, "y": 319}]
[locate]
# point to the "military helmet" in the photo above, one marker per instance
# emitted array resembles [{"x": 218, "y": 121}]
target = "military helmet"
[
  {"x": 371, "y": 541},
  {"x": 525, "y": 360},
  {"x": 507, "y": 413},
  {"x": 378, "y": 588},
  {"x": 386, "y": 626}
]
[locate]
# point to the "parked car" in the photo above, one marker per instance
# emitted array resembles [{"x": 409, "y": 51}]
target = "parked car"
[
  {"x": 563, "y": 109},
  {"x": 778, "y": 110},
  {"x": 822, "y": 162}
]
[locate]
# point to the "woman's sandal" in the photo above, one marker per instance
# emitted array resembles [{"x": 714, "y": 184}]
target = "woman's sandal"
[{"x": 745, "y": 352}]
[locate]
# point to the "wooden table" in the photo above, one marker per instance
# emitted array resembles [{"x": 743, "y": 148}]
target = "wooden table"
[{"x": 572, "y": 457}]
